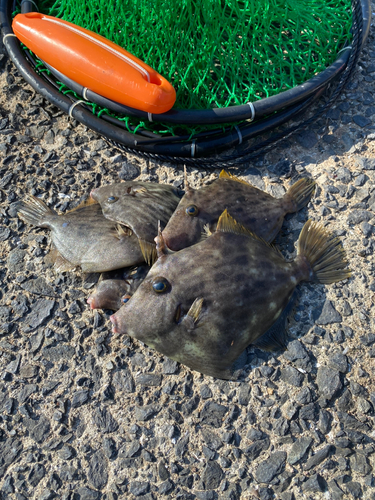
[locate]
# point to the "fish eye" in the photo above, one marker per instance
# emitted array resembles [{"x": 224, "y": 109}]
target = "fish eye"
[
  {"x": 160, "y": 285},
  {"x": 125, "y": 298},
  {"x": 192, "y": 210},
  {"x": 112, "y": 199}
]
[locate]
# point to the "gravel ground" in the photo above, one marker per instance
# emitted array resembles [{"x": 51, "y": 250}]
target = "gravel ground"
[{"x": 84, "y": 416}]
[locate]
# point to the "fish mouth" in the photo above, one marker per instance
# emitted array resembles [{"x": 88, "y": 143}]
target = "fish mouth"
[
  {"x": 92, "y": 194},
  {"x": 91, "y": 302},
  {"x": 115, "y": 326}
]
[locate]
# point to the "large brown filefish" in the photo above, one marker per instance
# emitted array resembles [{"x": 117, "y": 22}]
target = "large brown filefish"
[
  {"x": 139, "y": 205},
  {"x": 258, "y": 211},
  {"x": 202, "y": 306},
  {"x": 84, "y": 237},
  {"x": 116, "y": 287}
]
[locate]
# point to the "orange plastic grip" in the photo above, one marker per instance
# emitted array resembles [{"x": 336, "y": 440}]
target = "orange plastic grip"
[{"x": 95, "y": 62}]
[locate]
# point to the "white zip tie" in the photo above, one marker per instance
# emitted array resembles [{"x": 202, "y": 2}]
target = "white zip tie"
[
  {"x": 252, "y": 110},
  {"x": 84, "y": 93},
  {"x": 73, "y": 106},
  {"x": 30, "y": 1},
  {"x": 192, "y": 149},
  {"x": 239, "y": 134},
  {"x": 345, "y": 48},
  {"x": 149, "y": 117},
  {"x": 8, "y": 34}
]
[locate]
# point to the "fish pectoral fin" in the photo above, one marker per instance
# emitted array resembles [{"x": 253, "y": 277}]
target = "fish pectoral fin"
[
  {"x": 206, "y": 231},
  {"x": 192, "y": 316},
  {"x": 148, "y": 251},
  {"x": 137, "y": 190},
  {"x": 122, "y": 231}
]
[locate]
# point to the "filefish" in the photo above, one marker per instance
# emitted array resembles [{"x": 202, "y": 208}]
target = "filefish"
[
  {"x": 84, "y": 237},
  {"x": 139, "y": 205},
  {"x": 258, "y": 211},
  {"x": 116, "y": 287},
  {"x": 208, "y": 302}
]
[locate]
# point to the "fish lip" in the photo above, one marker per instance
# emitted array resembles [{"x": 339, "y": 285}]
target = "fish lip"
[
  {"x": 92, "y": 194},
  {"x": 114, "y": 322},
  {"x": 91, "y": 302}
]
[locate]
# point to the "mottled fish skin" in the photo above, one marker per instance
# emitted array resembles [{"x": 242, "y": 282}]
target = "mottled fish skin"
[
  {"x": 84, "y": 237},
  {"x": 258, "y": 211},
  {"x": 224, "y": 270},
  {"x": 116, "y": 287},
  {"x": 221, "y": 295},
  {"x": 138, "y": 205}
]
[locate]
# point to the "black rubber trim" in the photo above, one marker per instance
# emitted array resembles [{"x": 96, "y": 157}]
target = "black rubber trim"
[{"x": 261, "y": 108}]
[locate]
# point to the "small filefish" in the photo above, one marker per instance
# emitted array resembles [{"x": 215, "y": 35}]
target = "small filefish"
[
  {"x": 116, "y": 287},
  {"x": 258, "y": 211},
  {"x": 202, "y": 306},
  {"x": 139, "y": 205},
  {"x": 84, "y": 237}
]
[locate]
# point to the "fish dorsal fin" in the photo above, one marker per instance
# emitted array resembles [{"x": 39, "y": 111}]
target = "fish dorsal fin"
[
  {"x": 226, "y": 175},
  {"x": 84, "y": 203},
  {"x": 227, "y": 224}
]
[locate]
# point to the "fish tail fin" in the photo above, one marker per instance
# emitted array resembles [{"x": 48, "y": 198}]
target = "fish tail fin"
[
  {"x": 34, "y": 211},
  {"x": 323, "y": 252},
  {"x": 299, "y": 194}
]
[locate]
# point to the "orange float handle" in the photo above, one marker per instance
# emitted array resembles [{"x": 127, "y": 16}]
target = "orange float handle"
[{"x": 95, "y": 62}]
